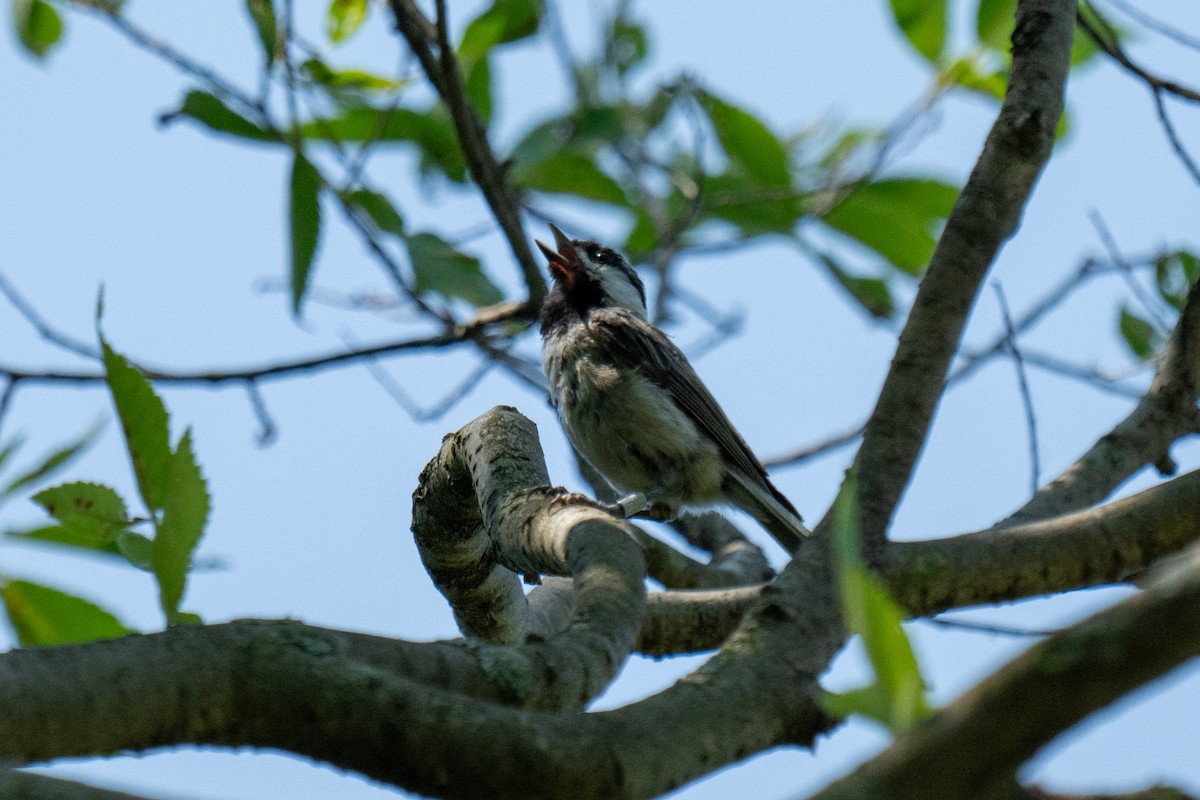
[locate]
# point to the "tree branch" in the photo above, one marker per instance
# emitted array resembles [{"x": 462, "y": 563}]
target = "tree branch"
[
  {"x": 977, "y": 742},
  {"x": 442, "y": 71},
  {"x": 986, "y": 214},
  {"x": 1091, "y": 547},
  {"x": 1166, "y": 412}
]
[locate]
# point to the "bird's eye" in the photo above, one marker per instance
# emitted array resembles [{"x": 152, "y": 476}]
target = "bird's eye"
[{"x": 604, "y": 256}]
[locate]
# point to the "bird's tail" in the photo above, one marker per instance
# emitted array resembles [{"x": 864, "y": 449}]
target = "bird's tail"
[{"x": 761, "y": 500}]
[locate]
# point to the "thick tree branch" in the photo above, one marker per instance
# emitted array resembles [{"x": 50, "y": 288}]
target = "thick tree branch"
[
  {"x": 978, "y": 741},
  {"x": 986, "y": 214},
  {"x": 1095, "y": 546},
  {"x": 1166, "y": 412}
]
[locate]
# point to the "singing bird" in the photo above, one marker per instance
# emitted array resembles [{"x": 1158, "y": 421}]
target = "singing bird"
[{"x": 632, "y": 404}]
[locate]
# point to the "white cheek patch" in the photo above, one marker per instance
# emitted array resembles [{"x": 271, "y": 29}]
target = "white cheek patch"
[{"x": 619, "y": 292}]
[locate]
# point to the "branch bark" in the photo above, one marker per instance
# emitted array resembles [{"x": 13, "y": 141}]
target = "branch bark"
[
  {"x": 978, "y": 741},
  {"x": 986, "y": 214}
]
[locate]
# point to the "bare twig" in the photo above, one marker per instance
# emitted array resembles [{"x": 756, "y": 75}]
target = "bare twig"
[
  {"x": 1176, "y": 143},
  {"x": 443, "y": 72},
  {"x": 1110, "y": 244},
  {"x": 1023, "y": 383},
  {"x": 43, "y": 328},
  {"x": 266, "y": 426}
]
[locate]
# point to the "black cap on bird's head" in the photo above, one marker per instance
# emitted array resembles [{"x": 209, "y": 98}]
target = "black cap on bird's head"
[{"x": 592, "y": 275}]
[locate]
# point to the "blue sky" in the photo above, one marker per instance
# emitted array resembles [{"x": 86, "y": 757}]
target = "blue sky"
[{"x": 181, "y": 228}]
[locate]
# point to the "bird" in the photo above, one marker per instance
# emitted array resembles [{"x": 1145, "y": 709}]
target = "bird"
[{"x": 633, "y": 406}]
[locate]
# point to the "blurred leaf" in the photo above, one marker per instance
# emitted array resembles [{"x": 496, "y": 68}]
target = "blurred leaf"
[
  {"x": 597, "y": 125},
  {"x": 137, "y": 549},
  {"x": 210, "y": 111},
  {"x": 262, "y": 14},
  {"x": 923, "y": 23},
  {"x": 184, "y": 517},
  {"x": 1175, "y": 273},
  {"x": 898, "y": 700},
  {"x": 344, "y": 19},
  {"x": 753, "y": 208},
  {"x": 994, "y": 23},
  {"x": 90, "y": 513},
  {"x": 642, "y": 238},
  {"x": 873, "y": 294},
  {"x": 432, "y": 131},
  {"x": 379, "y": 208},
  {"x": 438, "y": 267},
  {"x": 626, "y": 44},
  {"x": 305, "y": 220},
  {"x": 345, "y": 83},
  {"x": 749, "y": 143},
  {"x": 52, "y": 463},
  {"x": 567, "y": 173},
  {"x": 896, "y": 217},
  {"x": 93, "y": 540},
  {"x": 965, "y": 73},
  {"x": 478, "y": 85},
  {"x": 1142, "y": 338},
  {"x": 504, "y": 21},
  {"x": 144, "y": 421},
  {"x": 44, "y": 617},
  {"x": 38, "y": 26},
  {"x": 1083, "y": 46}
]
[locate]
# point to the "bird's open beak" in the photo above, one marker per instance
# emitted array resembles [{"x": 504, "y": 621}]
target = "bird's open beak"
[{"x": 564, "y": 262}]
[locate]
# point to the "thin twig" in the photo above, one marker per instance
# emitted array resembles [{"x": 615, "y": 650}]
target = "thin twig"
[
  {"x": 1156, "y": 25},
  {"x": 1023, "y": 384},
  {"x": 267, "y": 431},
  {"x": 985, "y": 627},
  {"x": 43, "y": 328},
  {"x": 1176, "y": 143},
  {"x": 1110, "y": 244}
]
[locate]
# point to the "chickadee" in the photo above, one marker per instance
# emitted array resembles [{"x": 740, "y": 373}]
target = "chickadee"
[{"x": 632, "y": 404}]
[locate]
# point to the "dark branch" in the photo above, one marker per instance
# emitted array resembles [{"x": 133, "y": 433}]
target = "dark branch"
[{"x": 985, "y": 215}]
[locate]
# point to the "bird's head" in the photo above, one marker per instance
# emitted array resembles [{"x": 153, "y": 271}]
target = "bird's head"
[{"x": 590, "y": 275}]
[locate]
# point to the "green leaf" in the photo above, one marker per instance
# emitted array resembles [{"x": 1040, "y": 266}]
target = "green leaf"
[
  {"x": 873, "y": 294},
  {"x": 91, "y": 539},
  {"x": 896, "y": 217},
  {"x": 1175, "y": 273},
  {"x": 38, "y": 26},
  {"x": 568, "y": 173},
  {"x": 1142, "y": 338},
  {"x": 899, "y": 699},
  {"x": 346, "y": 82},
  {"x": 642, "y": 237},
  {"x": 626, "y": 44},
  {"x": 994, "y": 23},
  {"x": 344, "y": 19},
  {"x": 379, "y": 208},
  {"x": 923, "y": 23},
  {"x": 749, "y": 143},
  {"x": 432, "y": 131},
  {"x": 52, "y": 463},
  {"x": 438, "y": 267},
  {"x": 144, "y": 421},
  {"x": 211, "y": 111},
  {"x": 185, "y": 515},
  {"x": 965, "y": 73},
  {"x": 44, "y": 617},
  {"x": 137, "y": 549},
  {"x": 870, "y": 701},
  {"x": 304, "y": 218},
  {"x": 478, "y": 85},
  {"x": 90, "y": 512},
  {"x": 756, "y": 210},
  {"x": 262, "y": 14},
  {"x": 504, "y": 21}
]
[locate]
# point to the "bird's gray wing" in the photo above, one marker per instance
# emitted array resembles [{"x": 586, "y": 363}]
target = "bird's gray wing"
[{"x": 632, "y": 343}]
